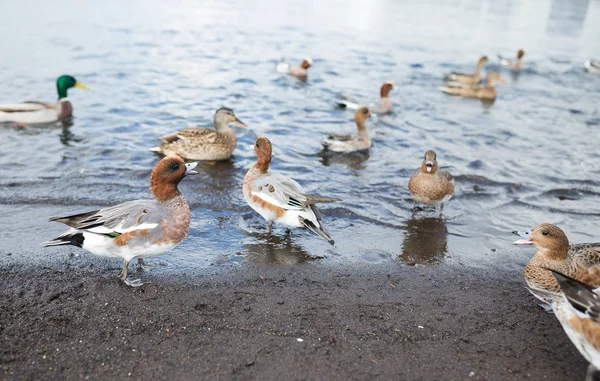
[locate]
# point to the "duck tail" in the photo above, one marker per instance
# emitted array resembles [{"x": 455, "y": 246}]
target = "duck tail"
[
  {"x": 74, "y": 238},
  {"x": 347, "y": 105},
  {"x": 580, "y": 295},
  {"x": 450, "y": 90},
  {"x": 450, "y": 77},
  {"x": 316, "y": 229},
  {"x": 282, "y": 67},
  {"x": 313, "y": 199}
]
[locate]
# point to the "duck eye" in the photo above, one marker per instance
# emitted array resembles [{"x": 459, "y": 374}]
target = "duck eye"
[
  {"x": 174, "y": 166},
  {"x": 545, "y": 232}
]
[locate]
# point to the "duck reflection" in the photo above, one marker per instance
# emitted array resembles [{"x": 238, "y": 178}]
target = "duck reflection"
[
  {"x": 354, "y": 160},
  {"x": 425, "y": 241},
  {"x": 270, "y": 249}
]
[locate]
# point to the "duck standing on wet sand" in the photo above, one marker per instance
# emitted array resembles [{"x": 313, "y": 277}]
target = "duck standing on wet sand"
[
  {"x": 430, "y": 185},
  {"x": 383, "y": 106},
  {"x": 516, "y": 65},
  {"x": 135, "y": 229},
  {"x": 486, "y": 92},
  {"x": 300, "y": 72},
  {"x": 579, "y": 261},
  {"x": 32, "y": 112},
  {"x": 468, "y": 78},
  {"x": 198, "y": 143},
  {"x": 280, "y": 199},
  {"x": 578, "y": 311},
  {"x": 353, "y": 142}
]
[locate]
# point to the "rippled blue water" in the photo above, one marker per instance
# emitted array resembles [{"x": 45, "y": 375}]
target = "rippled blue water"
[{"x": 157, "y": 66}]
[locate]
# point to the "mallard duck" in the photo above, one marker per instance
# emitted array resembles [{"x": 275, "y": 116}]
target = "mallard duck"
[
  {"x": 592, "y": 66},
  {"x": 32, "y": 112},
  {"x": 487, "y": 91},
  {"x": 515, "y": 65},
  {"x": 554, "y": 253},
  {"x": 300, "y": 72},
  {"x": 198, "y": 143},
  {"x": 354, "y": 142},
  {"x": 468, "y": 78},
  {"x": 383, "y": 106},
  {"x": 431, "y": 186},
  {"x": 279, "y": 198}
]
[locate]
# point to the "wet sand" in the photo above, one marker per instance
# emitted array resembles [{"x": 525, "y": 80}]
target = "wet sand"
[{"x": 356, "y": 322}]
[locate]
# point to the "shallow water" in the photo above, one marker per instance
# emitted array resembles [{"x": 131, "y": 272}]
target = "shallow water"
[{"x": 154, "y": 67}]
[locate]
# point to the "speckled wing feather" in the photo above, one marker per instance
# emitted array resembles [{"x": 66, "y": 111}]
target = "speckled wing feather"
[
  {"x": 586, "y": 254},
  {"x": 280, "y": 190},
  {"x": 581, "y": 296},
  {"x": 205, "y": 135},
  {"x": 446, "y": 175}
]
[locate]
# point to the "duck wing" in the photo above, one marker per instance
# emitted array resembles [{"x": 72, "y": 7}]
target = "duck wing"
[{"x": 29, "y": 106}]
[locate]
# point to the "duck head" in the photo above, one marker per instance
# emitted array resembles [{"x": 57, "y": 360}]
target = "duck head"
[
  {"x": 306, "y": 63},
  {"x": 361, "y": 115},
  {"x": 263, "y": 150},
  {"x": 430, "y": 164},
  {"x": 386, "y": 88},
  {"x": 65, "y": 82},
  {"x": 224, "y": 116},
  {"x": 520, "y": 53},
  {"x": 549, "y": 239},
  {"x": 167, "y": 174}
]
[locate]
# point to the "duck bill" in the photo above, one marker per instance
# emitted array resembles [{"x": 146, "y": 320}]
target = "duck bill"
[
  {"x": 239, "y": 122},
  {"x": 501, "y": 80},
  {"x": 189, "y": 168},
  {"x": 526, "y": 241},
  {"x": 81, "y": 85},
  {"x": 429, "y": 166}
]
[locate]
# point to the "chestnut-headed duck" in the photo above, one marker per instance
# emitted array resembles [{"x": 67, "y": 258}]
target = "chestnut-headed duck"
[
  {"x": 579, "y": 261},
  {"x": 353, "y": 142},
  {"x": 199, "y": 143},
  {"x": 485, "y": 92},
  {"x": 280, "y": 199},
  {"x": 577, "y": 309},
  {"x": 515, "y": 65},
  {"x": 135, "y": 229},
  {"x": 383, "y": 106},
  {"x": 300, "y": 72},
  {"x": 592, "y": 66},
  {"x": 430, "y": 185},
  {"x": 32, "y": 112},
  {"x": 468, "y": 78}
]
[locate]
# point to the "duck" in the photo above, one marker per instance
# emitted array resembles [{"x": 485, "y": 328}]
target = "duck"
[
  {"x": 135, "y": 229},
  {"x": 300, "y": 72},
  {"x": 577, "y": 309},
  {"x": 383, "y": 106},
  {"x": 579, "y": 261},
  {"x": 280, "y": 199},
  {"x": 34, "y": 112},
  {"x": 592, "y": 66},
  {"x": 485, "y": 92},
  {"x": 353, "y": 142},
  {"x": 203, "y": 144},
  {"x": 468, "y": 78},
  {"x": 430, "y": 185},
  {"x": 516, "y": 65}
]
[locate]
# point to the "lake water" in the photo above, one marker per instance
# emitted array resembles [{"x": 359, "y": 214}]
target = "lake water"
[{"x": 156, "y": 66}]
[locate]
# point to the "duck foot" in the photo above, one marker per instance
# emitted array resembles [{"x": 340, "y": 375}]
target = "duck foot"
[
  {"x": 142, "y": 265},
  {"x": 592, "y": 374},
  {"x": 133, "y": 282},
  {"x": 547, "y": 308},
  {"x": 269, "y": 227}
]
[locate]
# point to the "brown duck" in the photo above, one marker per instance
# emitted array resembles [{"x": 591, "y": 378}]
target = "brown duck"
[
  {"x": 486, "y": 92},
  {"x": 468, "y": 78},
  {"x": 430, "y": 185}
]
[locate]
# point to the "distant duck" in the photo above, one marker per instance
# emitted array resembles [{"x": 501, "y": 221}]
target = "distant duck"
[
  {"x": 430, "y": 185},
  {"x": 516, "y": 65},
  {"x": 382, "y": 106},
  {"x": 199, "y": 143},
  {"x": 32, "y": 112},
  {"x": 578, "y": 311},
  {"x": 580, "y": 261},
  {"x": 485, "y": 92},
  {"x": 300, "y": 72},
  {"x": 592, "y": 66},
  {"x": 353, "y": 142},
  {"x": 280, "y": 199},
  {"x": 468, "y": 78}
]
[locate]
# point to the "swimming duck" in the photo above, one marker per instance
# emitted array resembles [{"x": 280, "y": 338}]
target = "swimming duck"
[
  {"x": 383, "y": 106},
  {"x": 430, "y": 185},
  {"x": 300, "y": 72},
  {"x": 354, "y": 142},
  {"x": 280, "y": 199},
  {"x": 468, "y": 78},
  {"x": 32, "y": 112},
  {"x": 486, "y": 92},
  {"x": 135, "y": 229},
  {"x": 578, "y": 311},
  {"x": 198, "y": 143},
  {"x": 579, "y": 261},
  {"x": 592, "y": 66},
  {"x": 515, "y": 65}
]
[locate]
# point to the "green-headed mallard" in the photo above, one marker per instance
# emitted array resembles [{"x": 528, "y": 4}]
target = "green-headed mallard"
[
  {"x": 468, "y": 78},
  {"x": 487, "y": 91},
  {"x": 32, "y": 112}
]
